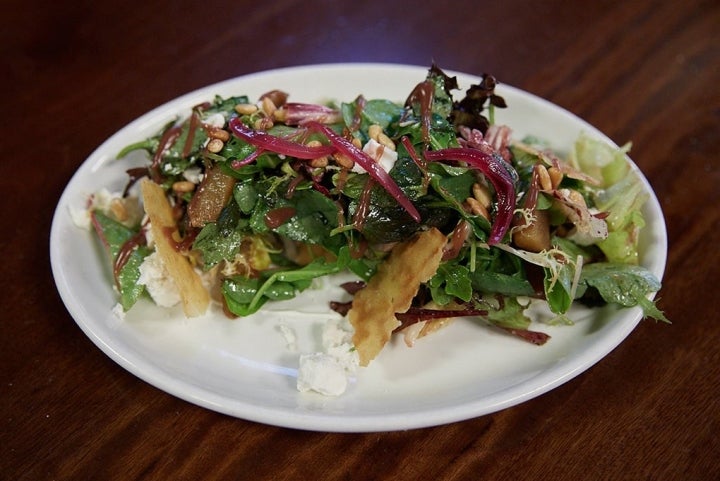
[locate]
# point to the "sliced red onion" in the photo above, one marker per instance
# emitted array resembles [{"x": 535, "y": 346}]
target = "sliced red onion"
[
  {"x": 278, "y": 145},
  {"x": 498, "y": 172},
  {"x": 345, "y": 147},
  {"x": 299, "y": 113}
]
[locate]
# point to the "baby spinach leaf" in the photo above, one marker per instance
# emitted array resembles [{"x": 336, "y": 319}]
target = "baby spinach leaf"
[
  {"x": 374, "y": 111},
  {"x": 451, "y": 281},
  {"x": 244, "y": 296},
  {"x": 114, "y": 235}
]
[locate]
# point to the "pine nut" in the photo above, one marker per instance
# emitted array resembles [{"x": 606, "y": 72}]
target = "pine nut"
[
  {"x": 268, "y": 106},
  {"x": 246, "y": 109},
  {"x": 319, "y": 162},
  {"x": 543, "y": 177},
  {"x": 556, "y": 177},
  {"x": 344, "y": 161},
  {"x": 183, "y": 186},
  {"x": 374, "y": 131},
  {"x": 215, "y": 146},
  {"x": 263, "y": 123},
  {"x": 482, "y": 195},
  {"x": 477, "y": 208},
  {"x": 220, "y": 134},
  {"x": 280, "y": 115},
  {"x": 383, "y": 139}
]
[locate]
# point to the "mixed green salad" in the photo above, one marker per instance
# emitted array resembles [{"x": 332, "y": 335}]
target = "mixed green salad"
[{"x": 267, "y": 195}]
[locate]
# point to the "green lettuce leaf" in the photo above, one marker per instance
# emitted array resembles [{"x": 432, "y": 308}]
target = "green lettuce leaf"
[
  {"x": 510, "y": 314},
  {"x": 623, "y": 202},
  {"x": 600, "y": 160},
  {"x": 624, "y": 285}
]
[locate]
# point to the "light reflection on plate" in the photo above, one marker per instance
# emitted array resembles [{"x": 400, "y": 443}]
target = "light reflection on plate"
[{"x": 244, "y": 367}]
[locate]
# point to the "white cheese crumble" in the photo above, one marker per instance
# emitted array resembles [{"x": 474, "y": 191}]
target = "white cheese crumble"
[
  {"x": 119, "y": 312},
  {"x": 193, "y": 174},
  {"x": 328, "y": 372},
  {"x": 100, "y": 200},
  {"x": 337, "y": 341},
  {"x": 118, "y": 316},
  {"x": 156, "y": 279},
  {"x": 80, "y": 217},
  {"x": 216, "y": 120},
  {"x": 384, "y": 156},
  {"x": 321, "y": 373}
]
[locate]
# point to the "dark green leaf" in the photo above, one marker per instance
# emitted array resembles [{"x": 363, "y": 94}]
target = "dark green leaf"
[
  {"x": 246, "y": 196},
  {"x": 454, "y": 280},
  {"x": 114, "y": 236}
]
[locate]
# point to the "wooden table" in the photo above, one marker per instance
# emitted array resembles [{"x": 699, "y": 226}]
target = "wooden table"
[{"x": 646, "y": 71}]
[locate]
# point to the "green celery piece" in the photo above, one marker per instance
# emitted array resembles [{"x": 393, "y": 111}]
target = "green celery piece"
[
  {"x": 620, "y": 247},
  {"x": 113, "y": 236},
  {"x": 624, "y": 285}
]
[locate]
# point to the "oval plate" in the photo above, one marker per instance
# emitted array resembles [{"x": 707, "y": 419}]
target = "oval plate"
[{"x": 245, "y": 368}]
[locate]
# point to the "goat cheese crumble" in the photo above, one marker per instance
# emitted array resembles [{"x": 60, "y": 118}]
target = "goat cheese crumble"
[
  {"x": 157, "y": 281},
  {"x": 385, "y": 157},
  {"x": 328, "y": 372}
]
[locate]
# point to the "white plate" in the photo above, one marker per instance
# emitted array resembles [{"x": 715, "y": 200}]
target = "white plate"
[{"x": 245, "y": 369}]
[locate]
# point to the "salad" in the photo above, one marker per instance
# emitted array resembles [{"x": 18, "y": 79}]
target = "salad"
[{"x": 436, "y": 210}]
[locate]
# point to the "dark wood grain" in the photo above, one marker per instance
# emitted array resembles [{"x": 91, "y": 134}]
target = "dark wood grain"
[{"x": 644, "y": 71}]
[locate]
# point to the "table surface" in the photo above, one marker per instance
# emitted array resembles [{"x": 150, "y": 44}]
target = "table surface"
[{"x": 646, "y": 71}]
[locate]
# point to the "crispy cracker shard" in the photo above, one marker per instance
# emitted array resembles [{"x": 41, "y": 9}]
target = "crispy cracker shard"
[
  {"x": 391, "y": 290},
  {"x": 195, "y": 298}
]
